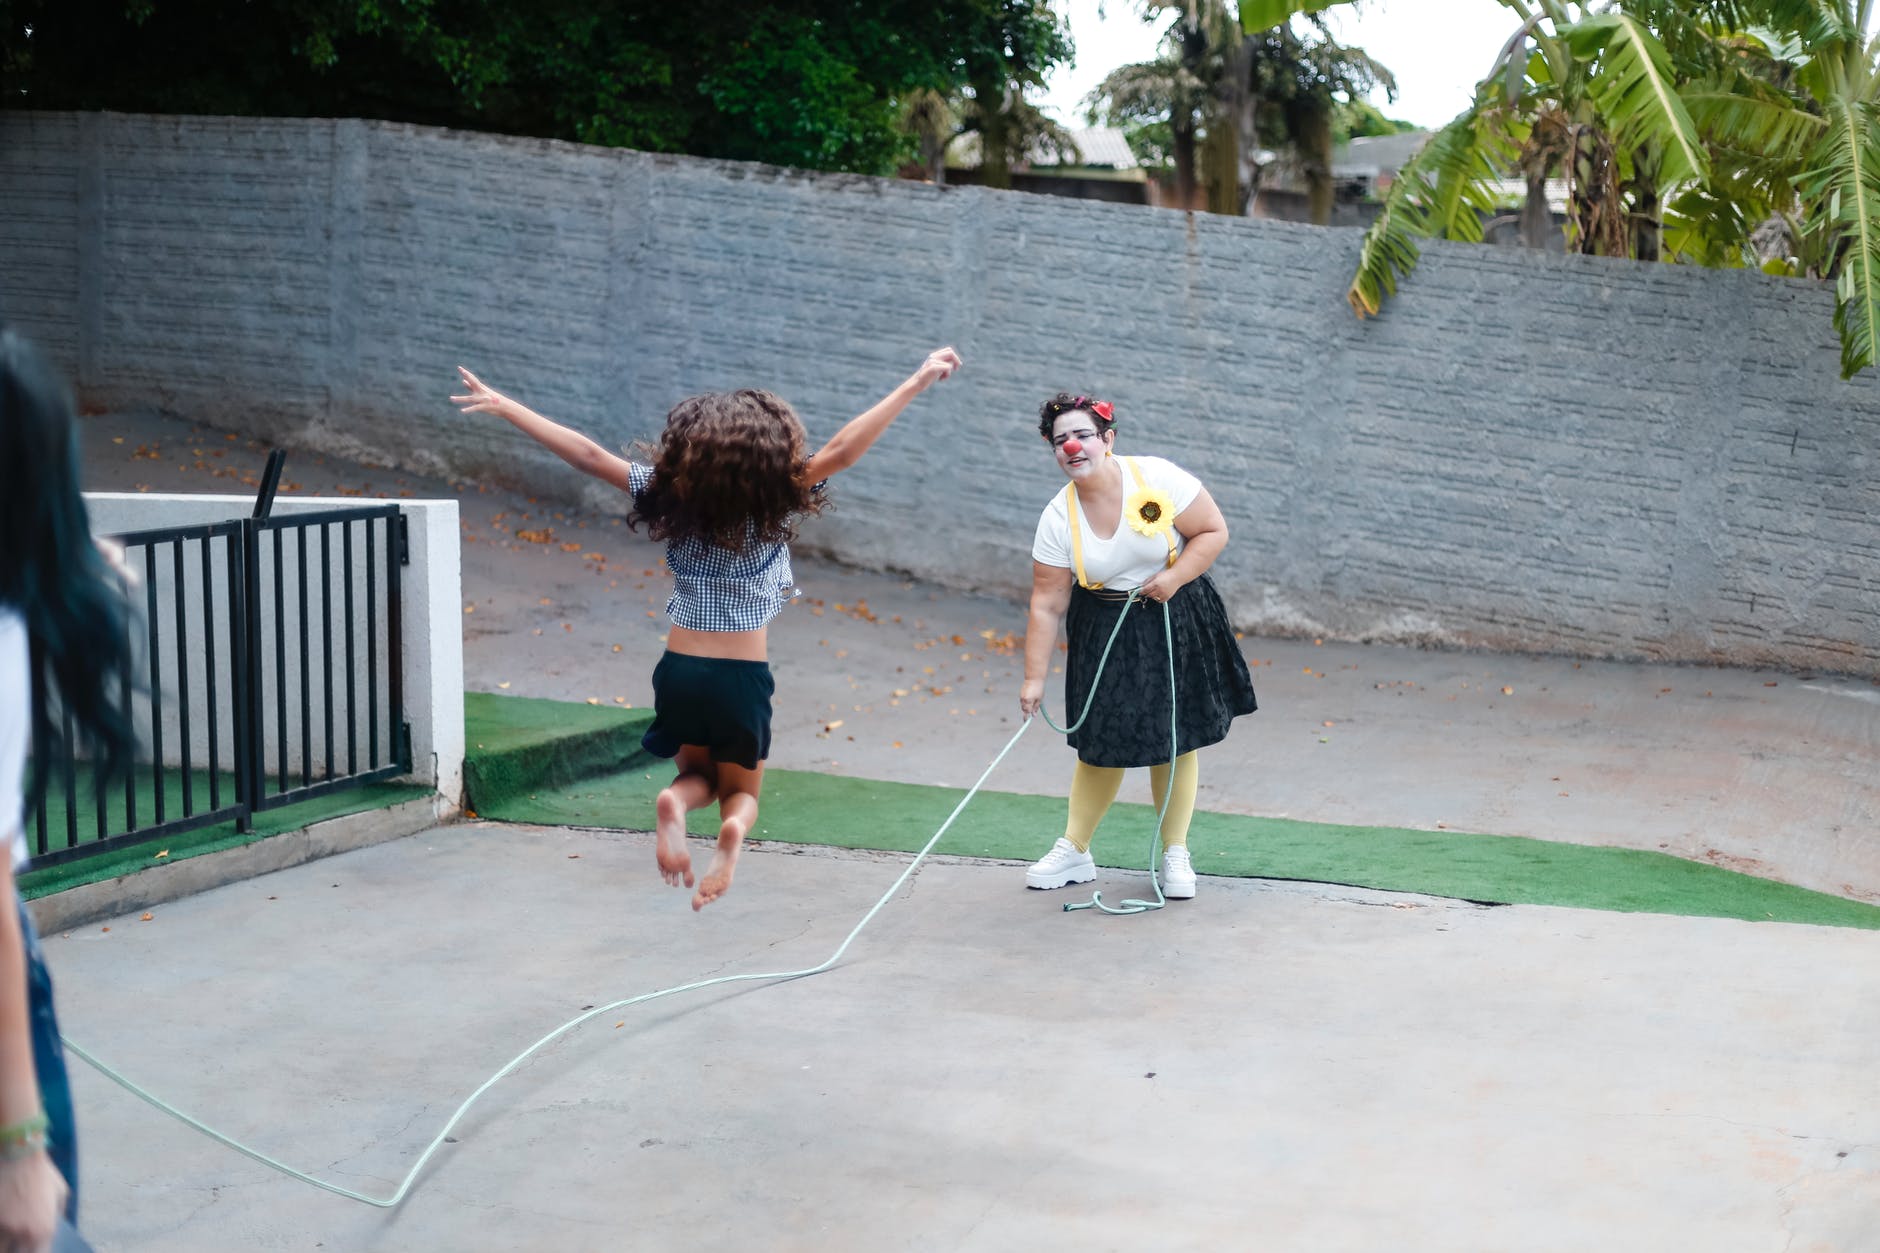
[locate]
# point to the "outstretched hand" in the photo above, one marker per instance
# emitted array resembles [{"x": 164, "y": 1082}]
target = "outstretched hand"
[
  {"x": 481, "y": 397},
  {"x": 940, "y": 363}
]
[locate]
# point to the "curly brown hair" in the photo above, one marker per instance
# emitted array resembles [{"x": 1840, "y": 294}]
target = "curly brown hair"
[
  {"x": 728, "y": 471},
  {"x": 1062, "y": 403}
]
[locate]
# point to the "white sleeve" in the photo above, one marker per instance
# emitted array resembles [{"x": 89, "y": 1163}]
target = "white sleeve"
[
  {"x": 16, "y": 702},
  {"x": 1051, "y": 546},
  {"x": 1181, "y": 486}
]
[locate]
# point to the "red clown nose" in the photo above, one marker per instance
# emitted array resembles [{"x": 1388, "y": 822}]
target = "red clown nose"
[{"x": 1072, "y": 447}]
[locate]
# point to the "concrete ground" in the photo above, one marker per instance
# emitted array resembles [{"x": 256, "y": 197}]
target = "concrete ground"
[
  {"x": 1270, "y": 1066},
  {"x": 1767, "y": 772}
]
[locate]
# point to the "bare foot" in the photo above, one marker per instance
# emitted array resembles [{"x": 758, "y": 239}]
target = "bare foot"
[
  {"x": 717, "y": 880},
  {"x": 675, "y": 862}
]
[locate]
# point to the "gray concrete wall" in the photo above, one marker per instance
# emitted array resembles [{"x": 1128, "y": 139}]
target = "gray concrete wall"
[{"x": 1524, "y": 452}]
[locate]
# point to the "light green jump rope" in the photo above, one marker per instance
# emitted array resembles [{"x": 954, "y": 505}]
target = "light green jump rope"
[
  {"x": 404, "y": 1188},
  {"x": 1133, "y": 906}
]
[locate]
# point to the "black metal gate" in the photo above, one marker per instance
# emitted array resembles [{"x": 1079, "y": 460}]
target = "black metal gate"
[{"x": 269, "y": 674}]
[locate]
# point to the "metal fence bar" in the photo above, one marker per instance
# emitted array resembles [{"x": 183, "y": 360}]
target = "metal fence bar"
[
  {"x": 372, "y": 654},
  {"x": 182, "y": 681},
  {"x": 326, "y": 631},
  {"x": 249, "y": 745},
  {"x": 395, "y": 556},
  {"x": 37, "y": 667},
  {"x": 71, "y": 778},
  {"x": 352, "y": 664},
  {"x": 208, "y": 638},
  {"x": 130, "y": 767},
  {"x": 156, "y": 680},
  {"x": 280, "y": 664},
  {"x": 306, "y": 666}
]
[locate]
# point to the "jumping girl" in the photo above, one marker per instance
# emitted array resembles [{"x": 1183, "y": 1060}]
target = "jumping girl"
[{"x": 727, "y": 483}]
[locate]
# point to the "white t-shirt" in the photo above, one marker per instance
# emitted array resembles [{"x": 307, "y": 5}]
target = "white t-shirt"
[
  {"x": 16, "y": 703},
  {"x": 1127, "y": 558}
]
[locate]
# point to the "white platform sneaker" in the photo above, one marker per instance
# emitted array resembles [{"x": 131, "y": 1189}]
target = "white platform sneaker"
[
  {"x": 1063, "y": 865},
  {"x": 1178, "y": 874}
]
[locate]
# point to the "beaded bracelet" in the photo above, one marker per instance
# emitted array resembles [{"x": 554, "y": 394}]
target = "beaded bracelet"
[{"x": 23, "y": 1139}]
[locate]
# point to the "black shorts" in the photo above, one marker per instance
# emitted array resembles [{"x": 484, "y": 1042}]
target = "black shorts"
[{"x": 718, "y": 702}]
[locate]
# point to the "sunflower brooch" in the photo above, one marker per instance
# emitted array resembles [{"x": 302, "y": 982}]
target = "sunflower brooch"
[{"x": 1149, "y": 511}]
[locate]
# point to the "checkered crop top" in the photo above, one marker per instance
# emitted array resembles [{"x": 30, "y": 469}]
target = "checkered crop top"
[{"x": 715, "y": 589}]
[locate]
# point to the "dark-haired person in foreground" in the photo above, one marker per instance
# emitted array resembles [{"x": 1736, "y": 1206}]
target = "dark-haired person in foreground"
[
  {"x": 729, "y": 479},
  {"x": 57, "y": 597}
]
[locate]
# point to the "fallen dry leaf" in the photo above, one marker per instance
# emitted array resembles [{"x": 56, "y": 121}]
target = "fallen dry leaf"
[{"x": 146, "y": 918}]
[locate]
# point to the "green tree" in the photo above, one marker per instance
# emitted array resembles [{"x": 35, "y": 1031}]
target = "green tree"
[
  {"x": 1687, "y": 130},
  {"x": 817, "y": 83},
  {"x": 1153, "y": 98},
  {"x": 1225, "y": 93},
  {"x": 1006, "y": 51}
]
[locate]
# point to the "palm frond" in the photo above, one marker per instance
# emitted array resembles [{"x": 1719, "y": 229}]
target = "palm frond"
[
  {"x": 1442, "y": 192},
  {"x": 1766, "y": 123},
  {"x": 1843, "y": 186},
  {"x": 1259, "y": 15},
  {"x": 1635, "y": 89}
]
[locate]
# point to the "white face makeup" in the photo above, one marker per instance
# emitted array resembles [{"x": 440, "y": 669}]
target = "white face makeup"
[{"x": 1078, "y": 429}]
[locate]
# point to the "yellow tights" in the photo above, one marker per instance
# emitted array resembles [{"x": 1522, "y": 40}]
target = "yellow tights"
[{"x": 1093, "y": 788}]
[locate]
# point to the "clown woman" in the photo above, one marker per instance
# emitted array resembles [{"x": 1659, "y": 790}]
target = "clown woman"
[{"x": 1120, "y": 524}]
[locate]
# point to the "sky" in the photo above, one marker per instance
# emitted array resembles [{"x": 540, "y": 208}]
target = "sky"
[{"x": 1436, "y": 48}]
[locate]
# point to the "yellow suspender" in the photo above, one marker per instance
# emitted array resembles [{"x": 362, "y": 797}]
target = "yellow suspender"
[{"x": 1077, "y": 534}]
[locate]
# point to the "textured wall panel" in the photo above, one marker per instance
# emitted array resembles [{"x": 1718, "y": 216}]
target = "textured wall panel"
[
  {"x": 40, "y": 177},
  {"x": 1526, "y": 451}
]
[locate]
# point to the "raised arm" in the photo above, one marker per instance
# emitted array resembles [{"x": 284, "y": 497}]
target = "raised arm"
[
  {"x": 571, "y": 446},
  {"x": 1050, "y": 597},
  {"x": 855, "y": 438}
]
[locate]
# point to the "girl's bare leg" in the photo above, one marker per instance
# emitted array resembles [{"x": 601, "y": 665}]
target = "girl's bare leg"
[
  {"x": 693, "y": 788},
  {"x": 737, "y": 812}
]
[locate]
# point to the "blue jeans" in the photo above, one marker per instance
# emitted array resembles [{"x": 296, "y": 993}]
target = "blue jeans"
[{"x": 55, "y": 1087}]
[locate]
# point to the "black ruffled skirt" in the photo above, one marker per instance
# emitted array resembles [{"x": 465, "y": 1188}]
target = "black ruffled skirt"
[{"x": 1129, "y": 719}]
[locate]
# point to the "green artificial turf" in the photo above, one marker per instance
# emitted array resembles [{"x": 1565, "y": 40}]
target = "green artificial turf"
[
  {"x": 210, "y": 839},
  {"x": 514, "y": 744},
  {"x": 809, "y": 808},
  {"x": 861, "y": 813}
]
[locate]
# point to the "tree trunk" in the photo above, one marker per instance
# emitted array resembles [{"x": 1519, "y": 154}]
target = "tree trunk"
[
  {"x": 1537, "y": 220},
  {"x": 1648, "y": 224},
  {"x": 995, "y": 151},
  {"x": 1315, "y": 146},
  {"x": 933, "y": 155},
  {"x": 1244, "y": 107},
  {"x": 1184, "y": 154},
  {"x": 1220, "y": 158}
]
